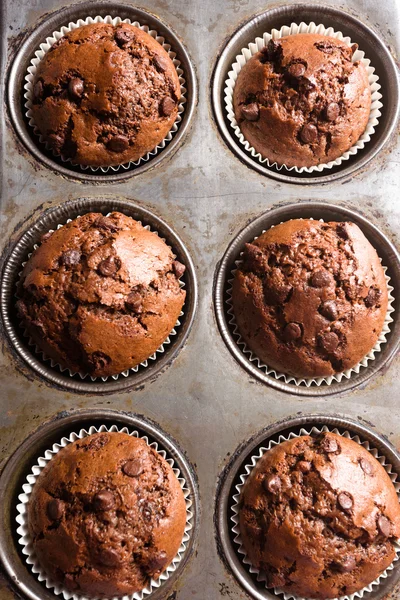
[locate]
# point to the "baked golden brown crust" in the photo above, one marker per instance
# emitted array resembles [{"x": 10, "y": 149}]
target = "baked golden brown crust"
[
  {"x": 310, "y": 298},
  {"x": 319, "y": 516},
  {"x": 105, "y": 95},
  {"x": 301, "y": 101},
  {"x": 106, "y": 514},
  {"x": 101, "y": 294}
]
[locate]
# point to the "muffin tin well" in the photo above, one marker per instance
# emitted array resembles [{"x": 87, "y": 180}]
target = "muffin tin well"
[
  {"x": 59, "y": 215},
  {"x": 21, "y": 462},
  {"x": 315, "y": 210},
  {"x": 230, "y": 477},
  {"x": 339, "y": 20},
  {"x": 54, "y": 22}
]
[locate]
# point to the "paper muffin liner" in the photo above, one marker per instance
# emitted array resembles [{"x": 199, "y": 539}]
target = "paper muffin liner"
[
  {"x": 45, "y": 47},
  {"x": 294, "y": 29},
  {"x": 308, "y": 382},
  {"x": 22, "y": 518},
  {"x": 235, "y": 507},
  {"x": 63, "y": 369}
]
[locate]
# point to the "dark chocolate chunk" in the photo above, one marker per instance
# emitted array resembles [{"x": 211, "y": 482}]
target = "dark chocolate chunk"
[
  {"x": 321, "y": 279},
  {"x": 347, "y": 564},
  {"x": 329, "y": 444},
  {"x": 118, "y": 143},
  {"x": 98, "y": 360},
  {"x": 272, "y": 484},
  {"x": 134, "y": 302},
  {"x": 178, "y": 268},
  {"x": 105, "y": 223},
  {"x": 109, "y": 557},
  {"x": 97, "y": 442},
  {"x": 123, "y": 36},
  {"x": 76, "y": 88},
  {"x": 384, "y": 526},
  {"x": 304, "y": 466},
  {"x": 70, "y": 258},
  {"x": 332, "y": 111},
  {"x": 251, "y": 112},
  {"x": 329, "y": 310},
  {"x": 345, "y": 501},
  {"x": 276, "y": 294},
  {"x": 108, "y": 267},
  {"x": 104, "y": 500},
  {"x": 329, "y": 341},
  {"x": 341, "y": 230},
  {"x": 366, "y": 466},
  {"x": 38, "y": 90},
  {"x": 272, "y": 51},
  {"x": 167, "y": 106},
  {"x": 373, "y": 297},
  {"x": 161, "y": 63},
  {"x": 133, "y": 468},
  {"x": 55, "y": 509},
  {"x": 296, "y": 70},
  {"x": 157, "y": 562},
  {"x": 291, "y": 332},
  {"x": 309, "y": 133}
]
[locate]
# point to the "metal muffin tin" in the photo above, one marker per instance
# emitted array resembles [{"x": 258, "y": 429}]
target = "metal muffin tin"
[
  {"x": 54, "y": 22},
  {"x": 358, "y": 32},
  {"x": 20, "y": 464},
  {"x": 59, "y": 215},
  {"x": 314, "y": 210},
  {"x": 205, "y": 399},
  {"x": 231, "y": 477}
]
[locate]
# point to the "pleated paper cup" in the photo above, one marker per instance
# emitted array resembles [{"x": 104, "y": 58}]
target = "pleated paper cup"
[
  {"x": 247, "y": 469},
  {"x": 294, "y": 29},
  {"x": 308, "y": 382},
  {"x": 22, "y": 509},
  {"x": 54, "y": 364},
  {"x": 57, "y": 35}
]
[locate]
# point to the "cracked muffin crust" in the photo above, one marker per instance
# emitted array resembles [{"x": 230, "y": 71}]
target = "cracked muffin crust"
[
  {"x": 105, "y": 95},
  {"x": 301, "y": 101},
  {"x": 310, "y": 298},
  {"x": 319, "y": 516},
  {"x": 106, "y": 514},
  {"x": 100, "y": 294}
]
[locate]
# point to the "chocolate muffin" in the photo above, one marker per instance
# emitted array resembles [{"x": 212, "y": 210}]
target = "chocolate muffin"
[
  {"x": 310, "y": 298},
  {"x": 105, "y": 515},
  {"x": 319, "y": 516},
  {"x": 101, "y": 294},
  {"x": 105, "y": 95},
  {"x": 301, "y": 101}
]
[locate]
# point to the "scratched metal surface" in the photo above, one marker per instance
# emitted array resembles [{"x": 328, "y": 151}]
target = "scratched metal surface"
[{"x": 204, "y": 399}]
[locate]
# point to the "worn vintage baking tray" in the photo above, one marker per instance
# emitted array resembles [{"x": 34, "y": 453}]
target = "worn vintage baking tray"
[{"x": 199, "y": 400}]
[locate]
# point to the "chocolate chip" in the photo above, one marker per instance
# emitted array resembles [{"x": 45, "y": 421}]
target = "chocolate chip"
[
  {"x": 123, "y": 36},
  {"x": 105, "y": 223},
  {"x": 276, "y": 294},
  {"x": 384, "y": 526},
  {"x": 329, "y": 310},
  {"x": 306, "y": 85},
  {"x": 133, "y": 468},
  {"x": 304, "y": 466},
  {"x": 254, "y": 260},
  {"x": 167, "y": 106},
  {"x": 55, "y": 509},
  {"x": 103, "y": 500},
  {"x": 178, "y": 268},
  {"x": 157, "y": 562},
  {"x": 56, "y": 141},
  {"x": 134, "y": 302},
  {"x": 341, "y": 230},
  {"x": 296, "y": 70},
  {"x": 291, "y": 332},
  {"x": 109, "y": 557},
  {"x": 76, "y": 88},
  {"x": 161, "y": 63},
  {"x": 70, "y": 258},
  {"x": 251, "y": 112},
  {"x": 366, "y": 466},
  {"x": 321, "y": 279},
  {"x": 345, "y": 501},
  {"x": 38, "y": 90},
  {"x": 373, "y": 297},
  {"x": 272, "y": 484},
  {"x": 272, "y": 51},
  {"x": 98, "y": 360},
  {"x": 329, "y": 444},
  {"x": 329, "y": 341},
  {"x": 108, "y": 267},
  {"x": 96, "y": 442},
  {"x": 118, "y": 143},
  {"x": 354, "y": 47},
  {"x": 309, "y": 133},
  {"x": 332, "y": 111},
  {"x": 347, "y": 564}
]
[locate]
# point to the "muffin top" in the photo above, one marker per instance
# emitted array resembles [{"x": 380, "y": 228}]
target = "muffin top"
[
  {"x": 301, "y": 101},
  {"x": 100, "y": 294},
  {"x": 105, "y": 95},
  {"x": 310, "y": 298},
  {"x": 319, "y": 517},
  {"x": 106, "y": 514}
]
